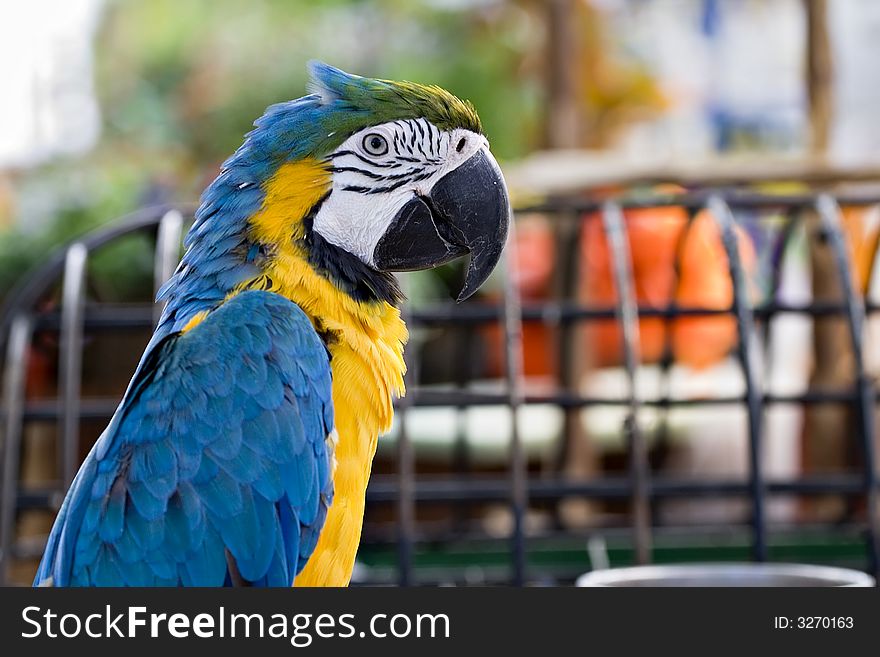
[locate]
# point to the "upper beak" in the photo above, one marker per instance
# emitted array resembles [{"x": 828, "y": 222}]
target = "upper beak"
[{"x": 467, "y": 211}]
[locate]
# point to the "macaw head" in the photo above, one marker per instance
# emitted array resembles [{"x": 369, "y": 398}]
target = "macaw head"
[
  {"x": 368, "y": 177},
  {"x": 414, "y": 184}
]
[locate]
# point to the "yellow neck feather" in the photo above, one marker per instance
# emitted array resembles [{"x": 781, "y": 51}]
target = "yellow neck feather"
[{"x": 365, "y": 340}]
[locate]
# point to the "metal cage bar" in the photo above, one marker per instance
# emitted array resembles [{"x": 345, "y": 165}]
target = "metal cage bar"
[
  {"x": 518, "y": 474},
  {"x": 15, "y": 372},
  {"x": 569, "y": 233},
  {"x": 777, "y": 258},
  {"x": 168, "y": 238},
  {"x": 406, "y": 475},
  {"x": 70, "y": 358},
  {"x": 627, "y": 315},
  {"x": 829, "y": 218},
  {"x": 753, "y": 393}
]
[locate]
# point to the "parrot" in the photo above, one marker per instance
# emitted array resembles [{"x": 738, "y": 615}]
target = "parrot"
[{"x": 241, "y": 450}]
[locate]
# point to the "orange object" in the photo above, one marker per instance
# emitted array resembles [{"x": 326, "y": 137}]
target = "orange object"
[
  {"x": 705, "y": 282},
  {"x": 535, "y": 254},
  {"x": 860, "y": 228}
]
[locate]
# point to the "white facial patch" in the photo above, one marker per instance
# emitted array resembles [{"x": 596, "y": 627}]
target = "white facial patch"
[{"x": 378, "y": 170}]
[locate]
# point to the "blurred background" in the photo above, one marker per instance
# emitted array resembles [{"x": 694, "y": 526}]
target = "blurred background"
[{"x": 711, "y": 165}]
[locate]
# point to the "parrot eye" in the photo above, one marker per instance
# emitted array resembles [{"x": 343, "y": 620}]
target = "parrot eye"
[{"x": 375, "y": 144}]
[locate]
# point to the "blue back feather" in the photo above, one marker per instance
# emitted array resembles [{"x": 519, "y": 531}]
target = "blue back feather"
[{"x": 220, "y": 447}]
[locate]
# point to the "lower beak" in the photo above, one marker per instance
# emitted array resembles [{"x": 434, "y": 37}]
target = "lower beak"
[{"x": 467, "y": 211}]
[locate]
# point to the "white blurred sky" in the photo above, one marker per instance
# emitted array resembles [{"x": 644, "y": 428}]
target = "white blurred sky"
[
  {"x": 751, "y": 69},
  {"x": 47, "y": 106}
]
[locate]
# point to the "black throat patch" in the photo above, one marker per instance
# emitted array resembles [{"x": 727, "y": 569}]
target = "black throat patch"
[{"x": 347, "y": 271}]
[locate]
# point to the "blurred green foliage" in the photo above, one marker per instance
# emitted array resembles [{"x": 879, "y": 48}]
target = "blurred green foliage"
[{"x": 179, "y": 83}]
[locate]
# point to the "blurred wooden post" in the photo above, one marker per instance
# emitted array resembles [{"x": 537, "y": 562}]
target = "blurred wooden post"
[
  {"x": 828, "y": 427},
  {"x": 561, "y": 124},
  {"x": 562, "y": 130},
  {"x": 820, "y": 74}
]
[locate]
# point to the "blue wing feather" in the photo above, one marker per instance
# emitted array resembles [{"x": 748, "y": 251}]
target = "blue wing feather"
[{"x": 219, "y": 447}]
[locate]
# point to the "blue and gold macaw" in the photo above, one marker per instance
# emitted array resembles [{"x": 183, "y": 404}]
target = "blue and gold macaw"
[{"x": 242, "y": 448}]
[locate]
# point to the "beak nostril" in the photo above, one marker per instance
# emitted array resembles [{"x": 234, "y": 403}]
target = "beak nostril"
[{"x": 461, "y": 143}]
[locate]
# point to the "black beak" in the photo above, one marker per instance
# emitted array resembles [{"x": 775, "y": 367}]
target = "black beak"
[{"x": 467, "y": 211}]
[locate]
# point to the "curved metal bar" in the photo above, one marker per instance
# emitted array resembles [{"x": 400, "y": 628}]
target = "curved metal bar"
[
  {"x": 168, "y": 238},
  {"x": 14, "y": 377},
  {"x": 628, "y": 317},
  {"x": 406, "y": 484},
  {"x": 829, "y": 218},
  {"x": 70, "y": 359},
  {"x": 754, "y": 397},
  {"x": 777, "y": 258},
  {"x": 34, "y": 284},
  {"x": 513, "y": 341},
  {"x": 780, "y": 246},
  {"x": 569, "y": 229}
]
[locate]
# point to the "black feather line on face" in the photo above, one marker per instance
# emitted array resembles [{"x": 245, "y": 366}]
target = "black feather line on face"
[
  {"x": 360, "y": 189},
  {"x": 363, "y": 172},
  {"x": 345, "y": 270},
  {"x": 391, "y": 188},
  {"x": 381, "y": 165},
  {"x": 409, "y": 173}
]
